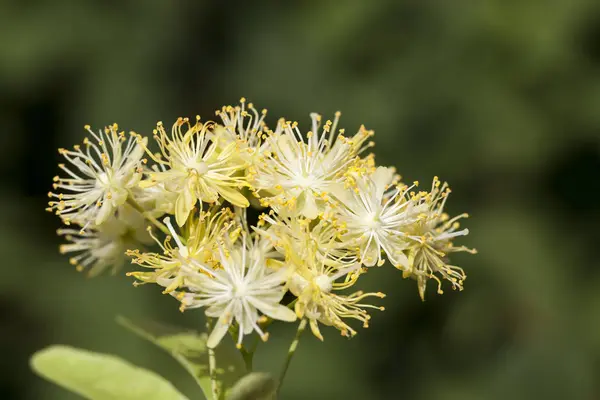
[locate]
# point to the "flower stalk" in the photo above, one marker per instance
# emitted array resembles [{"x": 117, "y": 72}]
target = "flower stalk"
[
  {"x": 162, "y": 227},
  {"x": 291, "y": 352},
  {"x": 212, "y": 370}
]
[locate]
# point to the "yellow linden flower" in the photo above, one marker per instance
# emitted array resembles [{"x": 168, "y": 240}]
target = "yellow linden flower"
[
  {"x": 375, "y": 212},
  {"x": 298, "y": 237},
  {"x": 315, "y": 285},
  {"x": 195, "y": 168},
  {"x": 102, "y": 176},
  {"x": 298, "y": 172},
  {"x": 102, "y": 248},
  {"x": 431, "y": 242},
  {"x": 176, "y": 264},
  {"x": 237, "y": 291},
  {"x": 245, "y": 125}
]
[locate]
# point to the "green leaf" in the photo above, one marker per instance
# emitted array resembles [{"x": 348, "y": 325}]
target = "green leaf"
[
  {"x": 188, "y": 347},
  {"x": 100, "y": 376},
  {"x": 254, "y": 386}
]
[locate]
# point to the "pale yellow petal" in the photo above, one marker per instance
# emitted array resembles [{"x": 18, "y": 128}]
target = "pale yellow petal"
[
  {"x": 371, "y": 253},
  {"x": 314, "y": 327},
  {"x": 220, "y": 329},
  {"x": 105, "y": 212},
  {"x": 307, "y": 205},
  {"x": 183, "y": 205},
  {"x": 281, "y": 313},
  {"x": 382, "y": 177},
  {"x": 233, "y": 196}
]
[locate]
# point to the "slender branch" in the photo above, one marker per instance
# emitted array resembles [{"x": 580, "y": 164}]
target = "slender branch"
[
  {"x": 291, "y": 351},
  {"x": 212, "y": 369}
]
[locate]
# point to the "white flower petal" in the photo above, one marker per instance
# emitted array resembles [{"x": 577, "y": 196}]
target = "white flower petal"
[
  {"x": 309, "y": 206},
  {"x": 220, "y": 329},
  {"x": 382, "y": 177},
  {"x": 277, "y": 311},
  {"x": 105, "y": 212}
]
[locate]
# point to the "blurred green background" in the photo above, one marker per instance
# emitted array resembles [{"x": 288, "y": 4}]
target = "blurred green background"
[{"x": 499, "y": 97}]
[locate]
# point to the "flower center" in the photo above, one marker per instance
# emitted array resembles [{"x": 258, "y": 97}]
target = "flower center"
[
  {"x": 371, "y": 221},
  {"x": 297, "y": 284},
  {"x": 305, "y": 181},
  {"x": 324, "y": 283},
  {"x": 198, "y": 168},
  {"x": 239, "y": 290},
  {"x": 102, "y": 180}
]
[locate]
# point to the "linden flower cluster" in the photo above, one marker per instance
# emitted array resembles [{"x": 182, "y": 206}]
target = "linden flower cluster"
[{"x": 327, "y": 215}]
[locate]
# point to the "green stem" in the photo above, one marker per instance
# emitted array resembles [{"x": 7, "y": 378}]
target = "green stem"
[
  {"x": 212, "y": 370},
  {"x": 248, "y": 358},
  {"x": 246, "y": 355},
  {"x": 131, "y": 201},
  {"x": 249, "y": 354},
  {"x": 254, "y": 345},
  {"x": 291, "y": 352}
]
